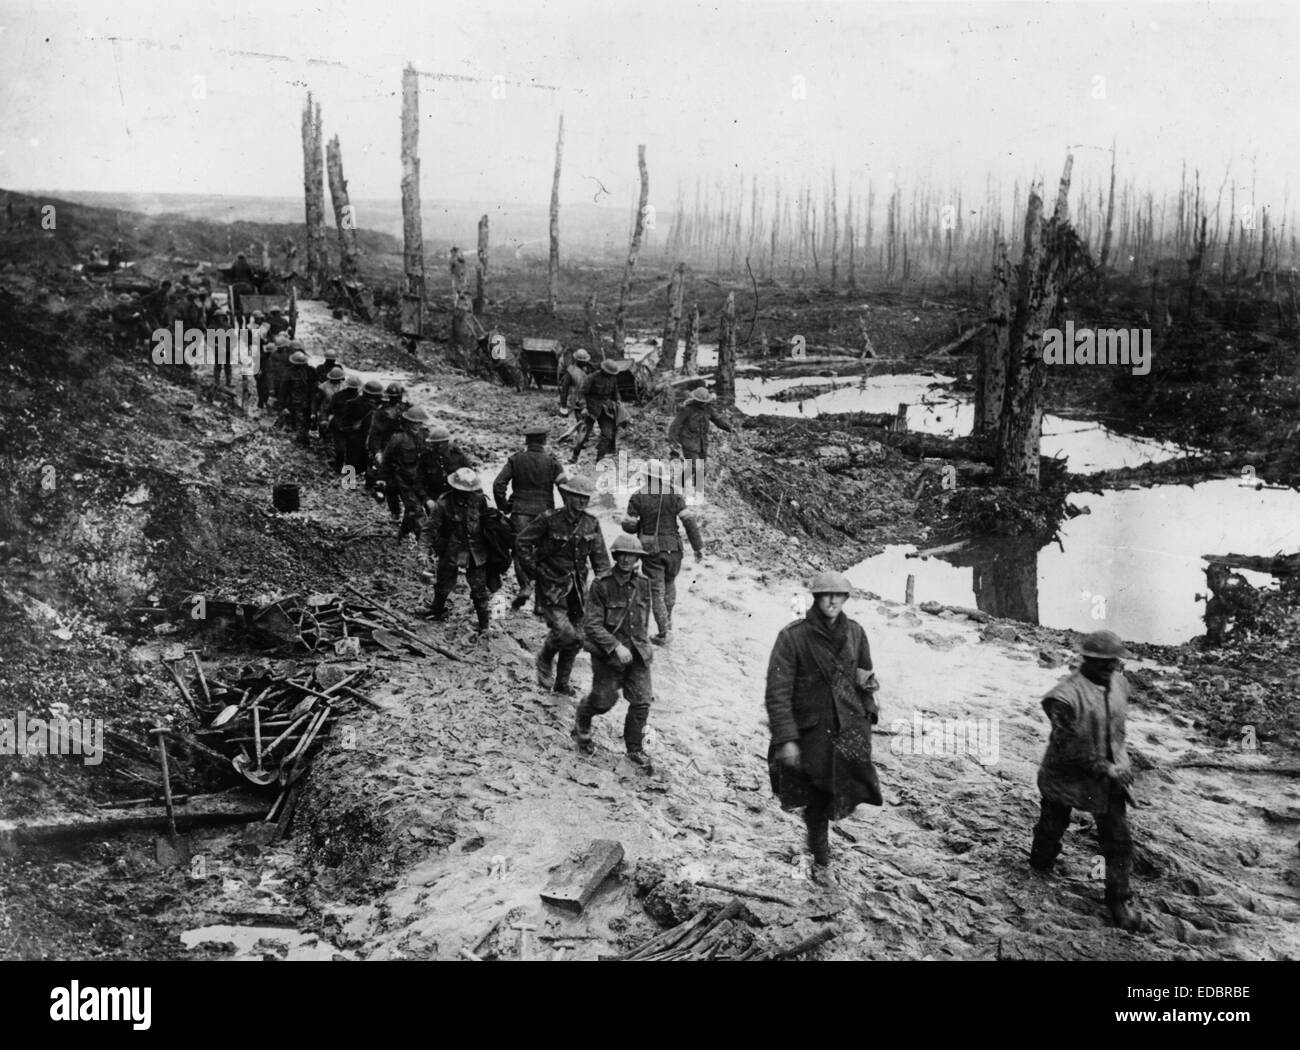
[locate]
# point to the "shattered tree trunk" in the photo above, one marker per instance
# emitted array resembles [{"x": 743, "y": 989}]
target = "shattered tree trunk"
[
  {"x": 725, "y": 387},
  {"x": 593, "y": 336},
  {"x": 480, "y": 268},
  {"x": 553, "y": 267},
  {"x": 313, "y": 184},
  {"x": 1110, "y": 212},
  {"x": 673, "y": 319},
  {"x": 691, "y": 354},
  {"x": 343, "y": 216},
  {"x": 1194, "y": 265},
  {"x": 638, "y": 228},
  {"x": 412, "y": 230},
  {"x": 1021, "y": 424},
  {"x": 991, "y": 368}
]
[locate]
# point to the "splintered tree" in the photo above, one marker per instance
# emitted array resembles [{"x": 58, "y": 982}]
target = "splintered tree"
[
  {"x": 313, "y": 183},
  {"x": 343, "y": 215},
  {"x": 412, "y": 231},
  {"x": 991, "y": 366},
  {"x": 725, "y": 386},
  {"x": 638, "y": 228},
  {"x": 553, "y": 267},
  {"x": 673, "y": 319},
  {"x": 691, "y": 353},
  {"x": 480, "y": 268},
  {"x": 1050, "y": 250}
]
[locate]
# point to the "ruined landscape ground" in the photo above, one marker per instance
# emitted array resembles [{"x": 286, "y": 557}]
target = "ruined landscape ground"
[{"x": 436, "y": 828}]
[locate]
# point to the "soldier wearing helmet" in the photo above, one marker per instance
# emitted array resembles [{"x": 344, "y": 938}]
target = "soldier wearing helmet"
[
  {"x": 296, "y": 389},
  {"x": 342, "y": 415},
  {"x": 688, "y": 435},
  {"x": 572, "y": 378},
  {"x": 325, "y": 391},
  {"x": 820, "y": 708},
  {"x": 458, "y": 541},
  {"x": 1086, "y": 766},
  {"x": 616, "y": 625},
  {"x": 399, "y": 471},
  {"x": 531, "y": 476},
  {"x": 652, "y": 514},
  {"x": 442, "y": 458},
  {"x": 555, "y": 549},
  {"x": 601, "y": 402},
  {"x": 384, "y": 423}
]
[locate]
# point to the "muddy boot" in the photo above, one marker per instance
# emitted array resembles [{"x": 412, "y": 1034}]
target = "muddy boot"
[
  {"x": 438, "y": 610},
  {"x": 641, "y": 760},
  {"x": 582, "y": 728},
  {"x": 1043, "y": 853},
  {"x": 484, "y": 613},
  {"x": 563, "y": 669},
  {"x": 545, "y": 674},
  {"x": 521, "y": 599},
  {"x": 662, "y": 638},
  {"x": 819, "y": 841},
  {"x": 1119, "y": 897}
]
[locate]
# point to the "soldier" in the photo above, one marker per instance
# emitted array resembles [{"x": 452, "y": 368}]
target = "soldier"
[
  {"x": 276, "y": 365},
  {"x": 277, "y": 321},
  {"x": 383, "y": 425},
  {"x": 532, "y": 474},
  {"x": 327, "y": 366},
  {"x": 572, "y": 380},
  {"x": 356, "y": 424},
  {"x": 324, "y": 394},
  {"x": 821, "y": 708},
  {"x": 601, "y": 398},
  {"x": 441, "y": 460},
  {"x": 652, "y": 514},
  {"x": 400, "y": 469},
  {"x": 241, "y": 269},
  {"x": 457, "y": 540},
  {"x": 1086, "y": 766},
  {"x": 295, "y": 393},
  {"x": 342, "y": 411},
  {"x": 555, "y": 549},
  {"x": 616, "y": 624},
  {"x": 219, "y": 320},
  {"x": 689, "y": 433}
]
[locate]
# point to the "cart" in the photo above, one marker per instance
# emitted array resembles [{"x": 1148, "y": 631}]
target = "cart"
[
  {"x": 246, "y": 304},
  {"x": 541, "y": 360}
]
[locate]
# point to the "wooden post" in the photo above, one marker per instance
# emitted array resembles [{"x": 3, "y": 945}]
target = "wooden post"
[
  {"x": 593, "y": 336},
  {"x": 673, "y": 319},
  {"x": 833, "y": 218},
  {"x": 911, "y": 590},
  {"x": 313, "y": 183},
  {"x": 690, "y": 355},
  {"x": 725, "y": 387},
  {"x": 480, "y": 268},
  {"x": 638, "y": 228},
  {"x": 1110, "y": 211},
  {"x": 343, "y": 217},
  {"x": 412, "y": 230},
  {"x": 553, "y": 267},
  {"x": 991, "y": 366}
]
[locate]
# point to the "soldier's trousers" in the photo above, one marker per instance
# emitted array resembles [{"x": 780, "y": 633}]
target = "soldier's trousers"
[
  {"x": 520, "y": 522},
  {"x": 412, "y": 509},
  {"x": 299, "y": 421},
  {"x": 608, "y": 678},
  {"x": 565, "y": 623},
  {"x": 608, "y": 440},
  {"x": 1112, "y": 834},
  {"x": 445, "y": 582},
  {"x": 662, "y": 569}
]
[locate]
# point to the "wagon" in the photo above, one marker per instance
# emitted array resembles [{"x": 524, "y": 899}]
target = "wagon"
[
  {"x": 246, "y": 304},
  {"x": 541, "y": 360}
]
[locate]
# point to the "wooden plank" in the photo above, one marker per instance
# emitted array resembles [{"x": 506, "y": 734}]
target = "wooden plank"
[
  {"x": 577, "y": 880},
  {"x": 532, "y": 343}
]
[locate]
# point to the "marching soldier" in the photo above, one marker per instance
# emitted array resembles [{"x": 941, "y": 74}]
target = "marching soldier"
[
  {"x": 532, "y": 475},
  {"x": 600, "y": 395},
  {"x": 352, "y": 420},
  {"x": 324, "y": 394},
  {"x": 689, "y": 432},
  {"x": 295, "y": 393},
  {"x": 441, "y": 460},
  {"x": 340, "y": 411},
  {"x": 616, "y": 624},
  {"x": 400, "y": 470},
  {"x": 555, "y": 550},
  {"x": 383, "y": 425},
  {"x": 821, "y": 707},
  {"x": 652, "y": 515},
  {"x": 1087, "y": 767},
  {"x": 457, "y": 540},
  {"x": 572, "y": 379}
]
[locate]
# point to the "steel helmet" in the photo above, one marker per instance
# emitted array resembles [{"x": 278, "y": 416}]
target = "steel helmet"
[
  {"x": 581, "y": 356},
  {"x": 396, "y": 391},
  {"x": 465, "y": 480},
  {"x": 627, "y": 545},
  {"x": 1104, "y": 645},
  {"x": 297, "y": 358},
  {"x": 124, "y": 299},
  {"x": 374, "y": 386},
  {"x": 702, "y": 395},
  {"x": 830, "y": 583},
  {"x": 337, "y": 373},
  {"x": 353, "y": 381},
  {"x": 417, "y": 414},
  {"x": 609, "y": 367},
  {"x": 579, "y": 486},
  {"x": 438, "y": 432}
]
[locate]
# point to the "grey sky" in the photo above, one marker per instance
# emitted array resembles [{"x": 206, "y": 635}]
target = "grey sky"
[{"x": 952, "y": 92}]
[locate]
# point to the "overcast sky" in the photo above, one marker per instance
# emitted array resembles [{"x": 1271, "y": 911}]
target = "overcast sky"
[{"x": 205, "y": 95}]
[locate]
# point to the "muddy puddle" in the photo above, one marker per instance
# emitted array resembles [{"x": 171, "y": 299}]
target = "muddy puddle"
[{"x": 1133, "y": 563}]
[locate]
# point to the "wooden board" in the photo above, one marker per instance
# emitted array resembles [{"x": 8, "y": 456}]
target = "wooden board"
[
  {"x": 576, "y": 881},
  {"x": 551, "y": 345}
]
